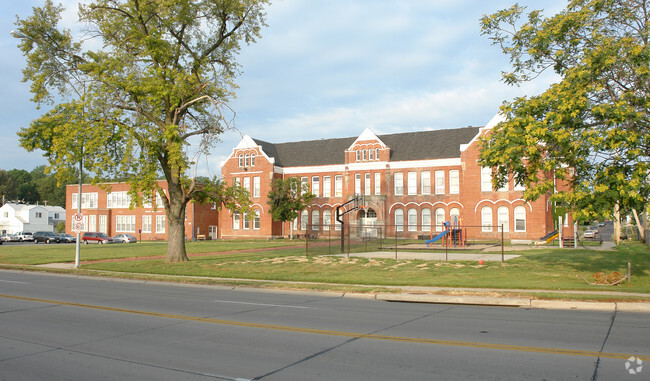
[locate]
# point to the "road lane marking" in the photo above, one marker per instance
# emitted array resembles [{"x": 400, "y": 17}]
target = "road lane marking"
[
  {"x": 13, "y": 281},
  {"x": 264, "y": 304},
  {"x": 413, "y": 340}
]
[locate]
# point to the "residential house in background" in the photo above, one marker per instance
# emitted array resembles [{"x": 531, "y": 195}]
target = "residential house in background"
[{"x": 22, "y": 217}]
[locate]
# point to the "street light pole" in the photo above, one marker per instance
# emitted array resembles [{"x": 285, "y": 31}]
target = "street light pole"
[{"x": 77, "y": 255}]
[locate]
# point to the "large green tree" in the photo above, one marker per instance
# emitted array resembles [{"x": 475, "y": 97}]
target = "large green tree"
[
  {"x": 149, "y": 77},
  {"x": 590, "y": 128},
  {"x": 287, "y": 198}
]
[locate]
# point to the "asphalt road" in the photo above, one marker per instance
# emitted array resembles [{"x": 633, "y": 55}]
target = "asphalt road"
[{"x": 77, "y": 328}]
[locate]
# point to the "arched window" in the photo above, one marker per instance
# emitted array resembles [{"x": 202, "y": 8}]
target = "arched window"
[
  {"x": 520, "y": 219},
  {"x": 256, "y": 220},
  {"x": 412, "y": 220},
  {"x": 454, "y": 216},
  {"x": 358, "y": 155},
  {"x": 315, "y": 220},
  {"x": 376, "y": 153},
  {"x": 365, "y": 154},
  {"x": 371, "y": 154},
  {"x": 440, "y": 219},
  {"x": 486, "y": 219},
  {"x": 426, "y": 219},
  {"x": 399, "y": 220},
  {"x": 503, "y": 218},
  {"x": 304, "y": 220},
  {"x": 252, "y": 160},
  {"x": 247, "y": 162},
  {"x": 241, "y": 160},
  {"x": 327, "y": 219}
]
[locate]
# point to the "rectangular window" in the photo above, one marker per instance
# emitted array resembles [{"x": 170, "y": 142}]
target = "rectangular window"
[
  {"x": 440, "y": 182},
  {"x": 246, "y": 220},
  {"x": 235, "y": 221},
  {"x": 377, "y": 183},
  {"x": 327, "y": 186},
  {"x": 92, "y": 223},
  {"x": 519, "y": 186},
  {"x": 454, "y": 182},
  {"x": 38, "y": 215},
  {"x": 88, "y": 200},
  {"x": 161, "y": 223},
  {"x": 256, "y": 220},
  {"x": 125, "y": 224},
  {"x": 256, "y": 186},
  {"x": 412, "y": 183},
  {"x": 304, "y": 183},
  {"x": 486, "y": 179},
  {"x": 118, "y": 200},
  {"x": 247, "y": 184},
  {"x": 338, "y": 186},
  {"x": 236, "y": 181},
  {"x": 103, "y": 225},
  {"x": 315, "y": 186},
  {"x": 425, "y": 181},
  {"x": 366, "y": 187},
  {"x": 159, "y": 200},
  {"x": 357, "y": 183},
  {"x": 146, "y": 224},
  {"x": 398, "y": 179}
]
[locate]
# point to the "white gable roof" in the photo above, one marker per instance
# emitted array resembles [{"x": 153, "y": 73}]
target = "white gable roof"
[
  {"x": 367, "y": 135},
  {"x": 496, "y": 119}
]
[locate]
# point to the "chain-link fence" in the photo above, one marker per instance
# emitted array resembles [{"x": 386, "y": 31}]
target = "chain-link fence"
[{"x": 357, "y": 238}]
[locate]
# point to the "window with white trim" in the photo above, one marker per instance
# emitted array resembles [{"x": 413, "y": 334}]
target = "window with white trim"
[
  {"x": 247, "y": 184},
  {"x": 315, "y": 220},
  {"x": 486, "y": 179},
  {"x": 338, "y": 186},
  {"x": 412, "y": 216},
  {"x": 241, "y": 160},
  {"x": 412, "y": 178},
  {"x": 252, "y": 159},
  {"x": 357, "y": 183},
  {"x": 503, "y": 218},
  {"x": 520, "y": 219},
  {"x": 486, "y": 219},
  {"x": 440, "y": 182},
  {"x": 454, "y": 181},
  {"x": 304, "y": 219},
  {"x": 88, "y": 200},
  {"x": 315, "y": 186},
  {"x": 399, "y": 220},
  {"x": 366, "y": 188},
  {"x": 236, "y": 221},
  {"x": 454, "y": 215},
  {"x": 327, "y": 186},
  {"x": 440, "y": 219},
  {"x": 256, "y": 186},
  {"x": 327, "y": 219},
  {"x": 426, "y": 219},
  {"x": 246, "y": 221},
  {"x": 398, "y": 180},
  {"x": 161, "y": 224},
  {"x": 146, "y": 224},
  {"x": 256, "y": 220},
  {"x": 377, "y": 183},
  {"x": 425, "y": 182},
  {"x": 358, "y": 155},
  {"x": 125, "y": 224}
]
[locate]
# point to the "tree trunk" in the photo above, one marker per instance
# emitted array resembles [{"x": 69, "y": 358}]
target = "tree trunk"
[
  {"x": 639, "y": 225},
  {"x": 176, "y": 223}
]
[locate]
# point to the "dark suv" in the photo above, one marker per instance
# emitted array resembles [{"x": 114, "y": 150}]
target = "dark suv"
[
  {"x": 101, "y": 238},
  {"x": 47, "y": 237}
]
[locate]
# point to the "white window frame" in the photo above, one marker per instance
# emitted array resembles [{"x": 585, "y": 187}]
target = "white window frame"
[
  {"x": 256, "y": 186},
  {"x": 146, "y": 223},
  {"x": 454, "y": 181},
  {"x": 399, "y": 220},
  {"x": 398, "y": 181},
  {"x": 327, "y": 219},
  {"x": 439, "y": 182},
  {"x": 315, "y": 219},
  {"x": 366, "y": 187},
  {"x": 357, "y": 183},
  {"x": 247, "y": 184},
  {"x": 377, "y": 183},
  {"x": 327, "y": 186},
  {"x": 304, "y": 219},
  {"x": 236, "y": 221},
  {"x": 161, "y": 223},
  {"x": 88, "y": 200},
  {"x": 412, "y": 219},
  {"x": 338, "y": 186},
  {"x": 486, "y": 179},
  {"x": 486, "y": 219},
  {"x": 439, "y": 218},
  {"x": 425, "y": 182},
  {"x": 520, "y": 218},
  {"x": 412, "y": 183},
  {"x": 256, "y": 220},
  {"x": 426, "y": 219},
  {"x": 125, "y": 223},
  {"x": 503, "y": 218},
  {"x": 315, "y": 186}
]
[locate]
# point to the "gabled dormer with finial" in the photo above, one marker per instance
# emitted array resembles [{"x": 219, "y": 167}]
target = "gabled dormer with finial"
[{"x": 367, "y": 148}]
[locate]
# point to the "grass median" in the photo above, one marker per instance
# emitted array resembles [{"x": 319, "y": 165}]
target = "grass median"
[{"x": 544, "y": 269}]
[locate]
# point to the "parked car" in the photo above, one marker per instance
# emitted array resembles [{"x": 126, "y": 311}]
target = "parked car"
[
  {"x": 125, "y": 238},
  {"x": 588, "y": 234},
  {"x": 100, "y": 238},
  {"x": 25, "y": 236},
  {"x": 9, "y": 238},
  {"x": 67, "y": 238},
  {"x": 47, "y": 237}
]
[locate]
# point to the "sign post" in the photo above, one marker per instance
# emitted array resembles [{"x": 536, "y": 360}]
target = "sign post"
[{"x": 78, "y": 227}]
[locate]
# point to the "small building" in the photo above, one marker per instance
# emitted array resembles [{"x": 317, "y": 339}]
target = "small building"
[
  {"x": 106, "y": 208},
  {"x": 16, "y": 218}
]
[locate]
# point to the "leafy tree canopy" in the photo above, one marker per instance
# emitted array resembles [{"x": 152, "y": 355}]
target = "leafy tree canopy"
[
  {"x": 148, "y": 77},
  {"x": 288, "y": 197},
  {"x": 592, "y": 127}
]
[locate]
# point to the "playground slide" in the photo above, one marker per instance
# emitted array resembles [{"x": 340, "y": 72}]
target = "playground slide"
[
  {"x": 550, "y": 236},
  {"x": 434, "y": 239},
  {"x": 554, "y": 236}
]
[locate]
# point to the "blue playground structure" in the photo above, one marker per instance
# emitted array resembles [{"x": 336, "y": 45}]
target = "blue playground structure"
[{"x": 453, "y": 235}]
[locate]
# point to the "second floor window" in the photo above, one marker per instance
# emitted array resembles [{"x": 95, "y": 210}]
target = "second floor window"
[{"x": 399, "y": 183}]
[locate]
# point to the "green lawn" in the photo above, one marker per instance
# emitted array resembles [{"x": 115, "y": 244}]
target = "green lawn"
[{"x": 548, "y": 269}]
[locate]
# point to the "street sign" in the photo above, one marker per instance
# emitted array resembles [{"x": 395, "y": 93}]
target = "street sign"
[
  {"x": 78, "y": 226},
  {"x": 78, "y": 217}
]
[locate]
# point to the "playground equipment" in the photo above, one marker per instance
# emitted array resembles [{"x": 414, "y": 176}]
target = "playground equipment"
[
  {"x": 452, "y": 234},
  {"x": 549, "y": 237}
]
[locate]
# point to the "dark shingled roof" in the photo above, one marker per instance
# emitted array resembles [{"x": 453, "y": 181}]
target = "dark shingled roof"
[{"x": 435, "y": 144}]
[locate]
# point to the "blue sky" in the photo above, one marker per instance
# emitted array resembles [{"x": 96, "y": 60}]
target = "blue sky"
[{"x": 331, "y": 68}]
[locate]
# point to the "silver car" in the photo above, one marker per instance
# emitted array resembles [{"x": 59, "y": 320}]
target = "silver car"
[{"x": 125, "y": 238}]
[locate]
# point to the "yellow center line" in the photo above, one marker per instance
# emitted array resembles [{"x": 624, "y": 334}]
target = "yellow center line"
[{"x": 414, "y": 340}]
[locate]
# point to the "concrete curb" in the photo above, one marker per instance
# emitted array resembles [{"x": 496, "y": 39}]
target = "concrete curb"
[
  {"x": 454, "y": 299},
  {"x": 572, "y": 305}
]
